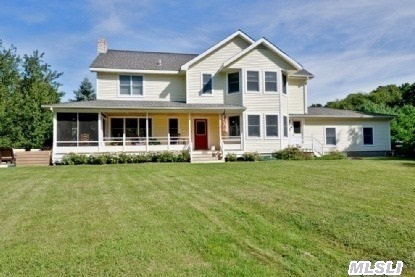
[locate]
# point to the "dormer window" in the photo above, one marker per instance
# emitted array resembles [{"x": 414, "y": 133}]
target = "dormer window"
[{"x": 131, "y": 85}]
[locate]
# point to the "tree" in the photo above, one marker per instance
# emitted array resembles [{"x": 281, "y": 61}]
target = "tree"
[
  {"x": 9, "y": 84},
  {"x": 26, "y": 84},
  {"x": 85, "y": 92}
]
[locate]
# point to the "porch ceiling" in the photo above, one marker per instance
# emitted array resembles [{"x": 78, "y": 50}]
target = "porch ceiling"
[{"x": 144, "y": 106}]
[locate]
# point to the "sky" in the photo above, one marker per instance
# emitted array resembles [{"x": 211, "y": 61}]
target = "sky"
[{"x": 350, "y": 46}]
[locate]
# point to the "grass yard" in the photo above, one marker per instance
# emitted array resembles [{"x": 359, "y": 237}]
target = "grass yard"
[{"x": 299, "y": 218}]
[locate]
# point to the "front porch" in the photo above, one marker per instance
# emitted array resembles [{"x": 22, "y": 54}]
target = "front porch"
[{"x": 132, "y": 132}]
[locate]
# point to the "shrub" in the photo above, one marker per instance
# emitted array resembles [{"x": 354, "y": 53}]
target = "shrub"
[
  {"x": 251, "y": 156},
  {"x": 334, "y": 155},
  {"x": 231, "y": 157},
  {"x": 185, "y": 155},
  {"x": 122, "y": 158},
  {"x": 292, "y": 153},
  {"x": 165, "y": 156}
]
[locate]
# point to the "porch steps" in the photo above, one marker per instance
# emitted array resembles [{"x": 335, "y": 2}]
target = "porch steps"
[{"x": 205, "y": 157}]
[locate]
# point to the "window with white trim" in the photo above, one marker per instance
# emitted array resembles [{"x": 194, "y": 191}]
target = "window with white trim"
[
  {"x": 285, "y": 119},
  {"x": 367, "y": 136},
  {"x": 142, "y": 127},
  {"x": 331, "y": 136},
  {"x": 131, "y": 85},
  {"x": 206, "y": 83},
  {"x": 284, "y": 83},
  {"x": 254, "y": 126},
  {"x": 174, "y": 127},
  {"x": 234, "y": 126},
  {"x": 252, "y": 80},
  {"x": 271, "y": 123},
  {"x": 271, "y": 81},
  {"x": 233, "y": 82}
]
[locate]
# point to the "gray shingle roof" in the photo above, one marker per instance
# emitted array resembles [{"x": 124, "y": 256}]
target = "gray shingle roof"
[
  {"x": 142, "y": 105},
  {"x": 138, "y": 60},
  {"x": 329, "y": 112},
  {"x": 303, "y": 73}
]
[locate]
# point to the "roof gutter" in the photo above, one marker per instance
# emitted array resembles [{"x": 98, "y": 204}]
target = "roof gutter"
[{"x": 112, "y": 70}]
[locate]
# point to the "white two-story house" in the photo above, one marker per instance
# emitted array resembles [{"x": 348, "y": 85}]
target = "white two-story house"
[{"x": 238, "y": 96}]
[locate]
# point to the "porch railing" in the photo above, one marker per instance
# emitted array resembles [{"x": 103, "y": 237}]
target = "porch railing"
[
  {"x": 233, "y": 142},
  {"x": 314, "y": 145},
  {"x": 130, "y": 143}
]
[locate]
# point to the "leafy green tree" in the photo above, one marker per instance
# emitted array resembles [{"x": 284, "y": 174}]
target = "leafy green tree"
[
  {"x": 390, "y": 95},
  {"x": 9, "y": 84},
  {"x": 403, "y": 128},
  {"x": 26, "y": 84},
  {"x": 350, "y": 102},
  {"x": 85, "y": 92},
  {"x": 408, "y": 94}
]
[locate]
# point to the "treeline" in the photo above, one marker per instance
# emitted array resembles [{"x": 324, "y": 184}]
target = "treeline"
[
  {"x": 25, "y": 84},
  {"x": 392, "y": 100}
]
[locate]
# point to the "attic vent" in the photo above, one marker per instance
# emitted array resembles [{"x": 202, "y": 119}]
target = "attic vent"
[{"x": 159, "y": 62}]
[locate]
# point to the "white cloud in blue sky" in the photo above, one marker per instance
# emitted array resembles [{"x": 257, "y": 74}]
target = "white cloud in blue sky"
[{"x": 349, "y": 46}]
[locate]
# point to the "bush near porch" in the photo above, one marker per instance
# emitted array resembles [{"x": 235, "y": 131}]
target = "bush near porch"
[{"x": 122, "y": 158}]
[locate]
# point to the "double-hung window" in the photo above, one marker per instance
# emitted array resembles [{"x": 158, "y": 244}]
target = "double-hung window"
[
  {"x": 254, "y": 126},
  {"x": 233, "y": 82},
  {"x": 252, "y": 80},
  {"x": 271, "y": 122},
  {"x": 131, "y": 85},
  {"x": 174, "y": 127},
  {"x": 142, "y": 127},
  {"x": 271, "y": 81},
  {"x": 206, "y": 83},
  {"x": 367, "y": 136},
  {"x": 330, "y": 136}
]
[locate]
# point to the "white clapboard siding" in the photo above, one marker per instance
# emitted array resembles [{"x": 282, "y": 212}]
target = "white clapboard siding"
[
  {"x": 161, "y": 87},
  {"x": 211, "y": 64},
  {"x": 295, "y": 90},
  {"x": 261, "y": 58},
  {"x": 349, "y": 133}
]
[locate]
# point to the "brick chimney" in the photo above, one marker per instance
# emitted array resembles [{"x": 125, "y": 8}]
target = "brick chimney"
[{"x": 102, "y": 46}]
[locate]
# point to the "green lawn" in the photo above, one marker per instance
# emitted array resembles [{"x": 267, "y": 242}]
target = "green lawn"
[{"x": 306, "y": 218}]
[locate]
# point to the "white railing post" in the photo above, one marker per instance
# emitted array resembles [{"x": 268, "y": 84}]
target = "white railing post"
[
  {"x": 242, "y": 141},
  {"x": 168, "y": 141},
  {"x": 123, "y": 142}
]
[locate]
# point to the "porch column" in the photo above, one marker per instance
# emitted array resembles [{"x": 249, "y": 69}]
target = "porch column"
[
  {"x": 190, "y": 128},
  {"x": 220, "y": 128},
  {"x": 100, "y": 137},
  {"x": 146, "y": 132},
  {"x": 55, "y": 136}
]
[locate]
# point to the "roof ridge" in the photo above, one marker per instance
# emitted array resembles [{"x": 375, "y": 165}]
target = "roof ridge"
[{"x": 152, "y": 52}]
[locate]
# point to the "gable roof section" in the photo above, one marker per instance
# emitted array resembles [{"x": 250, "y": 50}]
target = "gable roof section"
[
  {"x": 139, "y": 60},
  {"x": 322, "y": 112},
  {"x": 142, "y": 105},
  {"x": 271, "y": 47},
  {"x": 217, "y": 46}
]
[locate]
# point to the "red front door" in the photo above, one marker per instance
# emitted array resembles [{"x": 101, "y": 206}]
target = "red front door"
[{"x": 201, "y": 141}]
